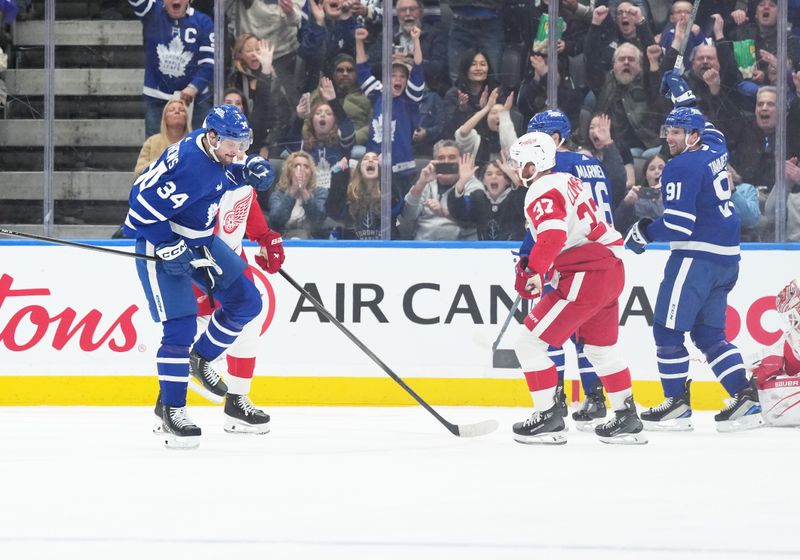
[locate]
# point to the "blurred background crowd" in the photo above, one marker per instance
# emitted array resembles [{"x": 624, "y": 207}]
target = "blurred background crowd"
[{"x": 466, "y": 76}]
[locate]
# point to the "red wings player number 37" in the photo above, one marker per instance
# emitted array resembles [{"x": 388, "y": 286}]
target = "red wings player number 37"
[{"x": 575, "y": 247}]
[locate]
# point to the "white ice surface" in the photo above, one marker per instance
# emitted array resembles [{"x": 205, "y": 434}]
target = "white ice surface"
[{"x": 382, "y": 483}]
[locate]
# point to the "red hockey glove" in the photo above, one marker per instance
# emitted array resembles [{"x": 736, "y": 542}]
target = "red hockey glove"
[
  {"x": 770, "y": 366},
  {"x": 528, "y": 284},
  {"x": 271, "y": 257}
]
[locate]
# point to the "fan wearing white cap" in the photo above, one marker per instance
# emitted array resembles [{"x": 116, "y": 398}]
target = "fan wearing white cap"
[{"x": 576, "y": 246}]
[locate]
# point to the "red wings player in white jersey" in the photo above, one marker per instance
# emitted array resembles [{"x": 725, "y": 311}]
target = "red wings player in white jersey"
[
  {"x": 576, "y": 247},
  {"x": 240, "y": 214}
]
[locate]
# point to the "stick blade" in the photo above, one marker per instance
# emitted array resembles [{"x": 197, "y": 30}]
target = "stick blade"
[
  {"x": 478, "y": 429},
  {"x": 505, "y": 359}
]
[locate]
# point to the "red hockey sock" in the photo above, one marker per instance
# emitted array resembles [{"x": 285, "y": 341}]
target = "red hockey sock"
[
  {"x": 542, "y": 385},
  {"x": 241, "y": 367}
]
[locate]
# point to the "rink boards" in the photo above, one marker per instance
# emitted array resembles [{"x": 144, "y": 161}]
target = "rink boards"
[{"x": 75, "y": 330}]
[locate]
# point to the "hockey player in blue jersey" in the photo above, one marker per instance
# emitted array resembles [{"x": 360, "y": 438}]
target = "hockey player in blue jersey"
[
  {"x": 179, "y": 57},
  {"x": 173, "y": 209},
  {"x": 702, "y": 227},
  {"x": 592, "y": 175}
]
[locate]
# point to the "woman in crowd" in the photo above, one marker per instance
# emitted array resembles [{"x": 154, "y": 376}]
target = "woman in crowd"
[
  {"x": 471, "y": 92},
  {"x": 252, "y": 75},
  {"x": 642, "y": 201},
  {"x": 323, "y": 130},
  {"x": 497, "y": 209},
  {"x": 355, "y": 199},
  {"x": 174, "y": 126},
  {"x": 296, "y": 203},
  {"x": 489, "y": 131}
]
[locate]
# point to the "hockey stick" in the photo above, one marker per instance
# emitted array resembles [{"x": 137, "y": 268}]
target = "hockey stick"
[
  {"x": 685, "y": 41},
  {"x": 507, "y": 358},
  {"x": 79, "y": 245},
  {"x": 460, "y": 430},
  {"x": 53, "y": 240}
]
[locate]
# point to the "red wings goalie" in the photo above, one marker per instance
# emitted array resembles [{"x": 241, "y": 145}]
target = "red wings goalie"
[{"x": 776, "y": 373}]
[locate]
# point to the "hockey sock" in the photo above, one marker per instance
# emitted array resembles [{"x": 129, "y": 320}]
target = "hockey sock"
[
  {"x": 673, "y": 367},
  {"x": 240, "y": 374},
  {"x": 726, "y": 361},
  {"x": 220, "y": 334},
  {"x": 172, "y": 363},
  {"x": 589, "y": 379},
  {"x": 542, "y": 385},
  {"x": 618, "y": 387},
  {"x": 557, "y": 355}
]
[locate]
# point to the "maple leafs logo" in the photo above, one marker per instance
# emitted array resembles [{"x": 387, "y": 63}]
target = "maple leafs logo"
[
  {"x": 172, "y": 59},
  {"x": 212, "y": 214}
]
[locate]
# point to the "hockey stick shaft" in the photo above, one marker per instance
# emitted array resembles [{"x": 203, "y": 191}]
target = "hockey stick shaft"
[
  {"x": 685, "y": 42},
  {"x": 78, "y": 245},
  {"x": 55, "y": 241},
  {"x": 451, "y": 427},
  {"x": 507, "y": 322}
]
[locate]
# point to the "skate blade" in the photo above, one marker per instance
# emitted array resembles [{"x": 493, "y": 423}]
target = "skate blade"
[
  {"x": 234, "y": 426},
  {"x": 625, "y": 439},
  {"x": 674, "y": 425},
  {"x": 171, "y": 441},
  {"x": 588, "y": 426},
  {"x": 742, "y": 424},
  {"x": 198, "y": 388},
  {"x": 552, "y": 438}
]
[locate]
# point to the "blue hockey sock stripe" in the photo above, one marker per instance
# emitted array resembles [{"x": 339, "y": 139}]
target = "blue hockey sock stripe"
[
  {"x": 172, "y": 363},
  {"x": 673, "y": 367},
  {"x": 726, "y": 361},
  {"x": 220, "y": 334},
  {"x": 556, "y": 354},
  {"x": 589, "y": 378}
]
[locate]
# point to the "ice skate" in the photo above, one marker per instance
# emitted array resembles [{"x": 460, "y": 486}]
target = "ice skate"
[
  {"x": 625, "y": 428},
  {"x": 180, "y": 432},
  {"x": 204, "y": 380},
  {"x": 742, "y": 413},
  {"x": 158, "y": 411},
  {"x": 592, "y": 411},
  {"x": 561, "y": 402},
  {"x": 241, "y": 417},
  {"x": 542, "y": 427},
  {"x": 672, "y": 415}
]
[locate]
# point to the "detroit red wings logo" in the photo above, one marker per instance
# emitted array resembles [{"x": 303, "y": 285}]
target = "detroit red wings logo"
[{"x": 236, "y": 215}]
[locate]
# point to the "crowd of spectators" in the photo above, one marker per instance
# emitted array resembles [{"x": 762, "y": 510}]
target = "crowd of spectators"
[{"x": 466, "y": 77}]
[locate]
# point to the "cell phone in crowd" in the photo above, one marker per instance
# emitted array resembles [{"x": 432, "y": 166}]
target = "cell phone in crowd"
[
  {"x": 445, "y": 168},
  {"x": 649, "y": 193}
]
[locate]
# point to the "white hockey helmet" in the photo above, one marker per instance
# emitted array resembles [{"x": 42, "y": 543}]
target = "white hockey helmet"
[{"x": 537, "y": 148}]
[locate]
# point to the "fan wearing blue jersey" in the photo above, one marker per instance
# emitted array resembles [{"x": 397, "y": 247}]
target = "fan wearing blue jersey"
[
  {"x": 593, "y": 176},
  {"x": 179, "y": 57},
  {"x": 701, "y": 224},
  {"x": 173, "y": 211}
]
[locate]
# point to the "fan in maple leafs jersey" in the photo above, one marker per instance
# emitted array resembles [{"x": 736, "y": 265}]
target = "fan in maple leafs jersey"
[
  {"x": 179, "y": 57},
  {"x": 577, "y": 248}
]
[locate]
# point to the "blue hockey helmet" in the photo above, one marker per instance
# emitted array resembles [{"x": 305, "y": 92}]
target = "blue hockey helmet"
[
  {"x": 687, "y": 118},
  {"x": 230, "y": 125},
  {"x": 551, "y": 121}
]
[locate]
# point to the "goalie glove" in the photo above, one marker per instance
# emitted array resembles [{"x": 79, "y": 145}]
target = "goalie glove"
[
  {"x": 675, "y": 88},
  {"x": 258, "y": 173},
  {"x": 636, "y": 239},
  {"x": 271, "y": 257},
  {"x": 769, "y": 367},
  {"x": 528, "y": 284}
]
